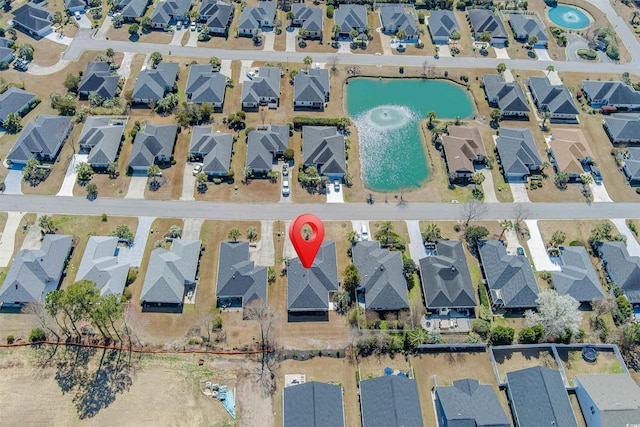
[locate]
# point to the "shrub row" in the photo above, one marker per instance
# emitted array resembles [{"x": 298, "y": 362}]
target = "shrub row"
[{"x": 340, "y": 123}]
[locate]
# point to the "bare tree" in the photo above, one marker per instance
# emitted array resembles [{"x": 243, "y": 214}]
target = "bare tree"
[
  {"x": 45, "y": 321},
  {"x": 471, "y": 210},
  {"x": 520, "y": 215},
  {"x": 133, "y": 323},
  {"x": 425, "y": 68},
  {"x": 604, "y": 305},
  {"x": 266, "y": 318},
  {"x": 334, "y": 60},
  {"x": 263, "y": 114},
  {"x": 207, "y": 322}
]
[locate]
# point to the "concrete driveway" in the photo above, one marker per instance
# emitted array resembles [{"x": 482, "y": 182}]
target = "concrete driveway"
[
  {"x": 519, "y": 192},
  {"x": 264, "y": 253},
  {"x": 176, "y": 40},
  {"x": 513, "y": 244},
  {"x": 137, "y": 185},
  {"x": 487, "y": 186},
  {"x": 632, "y": 243},
  {"x": 537, "y": 248},
  {"x": 32, "y": 240},
  {"x": 292, "y": 36},
  {"x": 193, "y": 38},
  {"x": 70, "y": 176},
  {"x": 13, "y": 181},
  {"x": 335, "y": 196},
  {"x": 8, "y": 237},
  {"x": 416, "y": 245},
  {"x": 501, "y": 52},
  {"x": 554, "y": 77},
  {"x": 269, "y": 40},
  {"x": 287, "y": 250},
  {"x": 84, "y": 21},
  {"x": 58, "y": 38},
  {"x": 188, "y": 182},
  {"x": 542, "y": 54},
  {"x": 444, "y": 52},
  {"x": 357, "y": 227},
  {"x": 133, "y": 254},
  {"x": 599, "y": 192},
  {"x": 508, "y": 76},
  {"x": 125, "y": 67},
  {"x": 191, "y": 229},
  {"x": 245, "y": 67},
  {"x": 101, "y": 34},
  {"x": 225, "y": 68}
]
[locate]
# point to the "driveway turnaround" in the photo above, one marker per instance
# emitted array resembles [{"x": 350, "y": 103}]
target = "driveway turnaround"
[
  {"x": 133, "y": 254},
  {"x": 8, "y": 237},
  {"x": 70, "y": 176},
  {"x": 537, "y": 248},
  {"x": 632, "y": 244},
  {"x": 191, "y": 229},
  {"x": 264, "y": 253},
  {"x": 416, "y": 245}
]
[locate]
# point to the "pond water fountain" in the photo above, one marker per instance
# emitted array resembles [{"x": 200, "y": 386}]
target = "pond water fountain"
[{"x": 569, "y": 17}]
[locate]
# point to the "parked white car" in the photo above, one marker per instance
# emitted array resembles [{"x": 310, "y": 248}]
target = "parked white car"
[
  {"x": 364, "y": 233},
  {"x": 285, "y": 187}
]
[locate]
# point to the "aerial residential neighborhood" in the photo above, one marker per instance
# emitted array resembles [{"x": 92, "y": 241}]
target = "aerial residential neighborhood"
[{"x": 473, "y": 166}]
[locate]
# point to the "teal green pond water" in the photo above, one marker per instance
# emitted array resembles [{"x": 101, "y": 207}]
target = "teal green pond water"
[{"x": 387, "y": 113}]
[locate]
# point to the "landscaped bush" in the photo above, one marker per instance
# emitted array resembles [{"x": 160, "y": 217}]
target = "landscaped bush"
[
  {"x": 589, "y": 54},
  {"x": 10, "y": 339},
  {"x": 501, "y": 335},
  {"x": 527, "y": 336},
  {"x": 480, "y": 327},
  {"x": 340, "y": 123},
  {"x": 36, "y": 335}
]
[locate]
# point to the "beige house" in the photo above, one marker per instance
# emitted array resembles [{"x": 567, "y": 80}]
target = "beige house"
[
  {"x": 463, "y": 149},
  {"x": 569, "y": 152}
]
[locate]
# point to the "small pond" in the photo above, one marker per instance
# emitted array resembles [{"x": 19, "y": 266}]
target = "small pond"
[
  {"x": 387, "y": 113},
  {"x": 569, "y": 17}
]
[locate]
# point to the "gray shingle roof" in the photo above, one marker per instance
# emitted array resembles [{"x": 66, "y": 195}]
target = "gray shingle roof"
[
  {"x": 44, "y": 136},
  {"x": 484, "y": 20},
  {"x": 205, "y": 85},
  {"x": 617, "y": 397},
  {"x": 68, "y": 4},
  {"x": 100, "y": 265},
  {"x": 238, "y": 277},
  {"x": 526, "y": 26},
  {"x": 308, "y": 289},
  {"x": 133, "y": 8},
  {"x": 34, "y": 273},
  {"x": 509, "y": 96},
  {"x": 469, "y": 403},
  {"x": 215, "y": 147},
  {"x": 614, "y": 93},
  {"x": 5, "y": 42},
  {"x": 517, "y": 151},
  {"x": 623, "y": 127},
  {"x": 252, "y": 17},
  {"x": 265, "y": 85},
  {"x": 623, "y": 269},
  {"x": 442, "y": 23},
  {"x": 311, "y": 17},
  {"x": 446, "y": 281},
  {"x": 539, "y": 398},
  {"x": 390, "y": 401},
  {"x": 578, "y": 277},
  {"x": 6, "y": 54},
  {"x": 555, "y": 99},
  {"x": 263, "y": 145},
  {"x": 154, "y": 83},
  {"x": 32, "y": 17},
  {"x": 154, "y": 141},
  {"x": 102, "y": 138},
  {"x": 311, "y": 85},
  {"x": 632, "y": 165},
  {"x": 98, "y": 79},
  {"x": 324, "y": 146},
  {"x": 14, "y": 100},
  {"x": 219, "y": 13},
  {"x": 351, "y": 17},
  {"x": 313, "y": 404},
  {"x": 169, "y": 271},
  {"x": 381, "y": 276},
  {"x": 395, "y": 15},
  {"x": 166, "y": 10},
  {"x": 510, "y": 277}
]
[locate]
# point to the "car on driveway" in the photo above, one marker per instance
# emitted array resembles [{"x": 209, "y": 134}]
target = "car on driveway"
[
  {"x": 193, "y": 26},
  {"x": 285, "y": 170},
  {"x": 285, "y": 187},
  {"x": 179, "y": 25},
  {"x": 77, "y": 15},
  {"x": 364, "y": 233},
  {"x": 336, "y": 185},
  {"x": 197, "y": 169}
]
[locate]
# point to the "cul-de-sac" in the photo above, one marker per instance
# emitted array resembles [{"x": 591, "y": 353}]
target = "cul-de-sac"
[{"x": 474, "y": 165}]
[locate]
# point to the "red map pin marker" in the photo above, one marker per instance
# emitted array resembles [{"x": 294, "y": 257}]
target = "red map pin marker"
[{"x": 306, "y": 249}]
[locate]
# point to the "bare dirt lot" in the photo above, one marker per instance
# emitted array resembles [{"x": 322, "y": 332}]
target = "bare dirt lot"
[{"x": 509, "y": 361}]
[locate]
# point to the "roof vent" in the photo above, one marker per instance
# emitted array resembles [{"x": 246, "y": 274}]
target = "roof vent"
[{"x": 453, "y": 268}]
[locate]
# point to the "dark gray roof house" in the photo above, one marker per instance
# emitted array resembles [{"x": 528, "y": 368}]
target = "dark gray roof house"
[
  {"x": 390, "y": 401},
  {"x": 323, "y": 147},
  {"x": 469, "y": 403},
  {"x": 308, "y": 289},
  {"x": 102, "y": 137},
  {"x": 213, "y": 148},
  {"x": 100, "y": 264},
  {"x": 555, "y": 99},
  {"x": 482, "y": 20},
  {"x": 99, "y": 79},
  {"x": 577, "y": 277},
  {"x": 394, "y": 18},
  {"x": 41, "y": 139},
  {"x": 441, "y": 24},
  {"x": 612, "y": 94},
  {"x": 623, "y": 127},
  {"x": 169, "y": 272},
  {"x": 154, "y": 83},
  {"x": 132, "y": 9},
  {"x": 608, "y": 400},
  {"x": 262, "y": 89},
  {"x": 5, "y": 42},
  {"x": 351, "y": 17},
  {"x": 623, "y": 269},
  {"x": 155, "y": 143},
  {"x": 538, "y": 398},
  {"x": 36, "y": 272},
  {"x": 240, "y": 281},
  {"x": 205, "y": 85},
  {"x": 525, "y": 26},
  {"x": 6, "y": 50},
  {"x": 631, "y": 166},
  {"x": 518, "y": 153},
  {"x": 311, "y": 88},
  {"x": 169, "y": 10},
  {"x": 312, "y": 404},
  {"x": 263, "y": 145},
  {"x": 309, "y": 18},
  {"x": 446, "y": 282},
  {"x": 33, "y": 19},
  {"x": 381, "y": 277},
  {"x": 217, "y": 14},
  {"x": 508, "y": 97},
  {"x": 15, "y": 100},
  {"x": 253, "y": 19},
  {"x": 74, "y": 5},
  {"x": 509, "y": 277}
]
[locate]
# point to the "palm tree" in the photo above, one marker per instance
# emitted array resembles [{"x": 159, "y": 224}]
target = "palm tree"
[
  {"x": 353, "y": 237},
  {"x": 546, "y": 115},
  {"x": 432, "y": 233},
  {"x": 175, "y": 231},
  {"x": 496, "y": 115},
  {"x": 112, "y": 169},
  {"x": 46, "y": 223},
  {"x": 417, "y": 337},
  {"x": 336, "y": 30},
  {"x": 478, "y": 178},
  {"x": 152, "y": 172},
  {"x": 303, "y": 32},
  {"x": 110, "y": 53},
  {"x": 384, "y": 234},
  {"x": 506, "y": 225},
  {"x": 635, "y": 16},
  {"x": 551, "y": 68},
  {"x": 431, "y": 115},
  {"x": 307, "y": 60},
  {"x": 246, "y": 173},
  {"x": 234, "y": 235},
  {"x": 252, "y": 233},
  {"x": 214, "y": 61}
]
